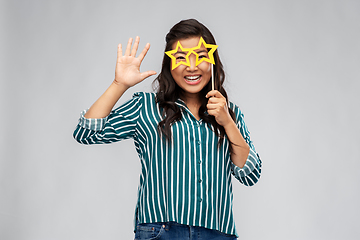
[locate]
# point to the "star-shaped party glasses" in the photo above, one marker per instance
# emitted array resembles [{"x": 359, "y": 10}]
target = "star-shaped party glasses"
[{"x": 210, "y": 59}]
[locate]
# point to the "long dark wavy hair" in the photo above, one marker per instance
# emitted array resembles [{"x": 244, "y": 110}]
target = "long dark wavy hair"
[{"x": 168, "y": 91}]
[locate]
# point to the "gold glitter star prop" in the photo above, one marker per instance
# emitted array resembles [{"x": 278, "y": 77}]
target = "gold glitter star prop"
[
  {"x": 210, "y": 59},
  {"x": 173, "y": 58},
  {"x": 210, "y": 53}
]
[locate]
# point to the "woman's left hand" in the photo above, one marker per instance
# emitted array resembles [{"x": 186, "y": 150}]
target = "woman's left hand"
[{"x": 218, "y": 108}]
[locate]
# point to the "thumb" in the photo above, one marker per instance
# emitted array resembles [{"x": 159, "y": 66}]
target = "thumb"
[{"x": 147, "y": 74}]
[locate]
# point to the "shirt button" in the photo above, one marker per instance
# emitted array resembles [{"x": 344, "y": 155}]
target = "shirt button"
[
  {"x": 200, "y": 199},
  {"x": 199, "y": 142},
  {"x": 200, "y": 180},
  {"x": 199, "y": 161}
]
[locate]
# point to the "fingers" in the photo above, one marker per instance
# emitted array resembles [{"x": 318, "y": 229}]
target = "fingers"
[
  {"x": 132, "y": 51},
  {"x": 128, "y": 47},
  {"x": 214, "y": 93},
  {"x": 213, "y": 112},
  {"x": 215, "y": 97},
  {"x": 144, "y": 51},
  {"x": 119, "y": 51},
  {"x": 135, "y": 47},
  {"x": 217, "y": 107},
  {"x": 219, "y": 110},
  {"x": 212, "y": 106},
  {"x": 216, "y": 100}
]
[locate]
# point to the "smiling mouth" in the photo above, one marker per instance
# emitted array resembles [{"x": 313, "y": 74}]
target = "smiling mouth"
[{"x": 192, "y": 79}]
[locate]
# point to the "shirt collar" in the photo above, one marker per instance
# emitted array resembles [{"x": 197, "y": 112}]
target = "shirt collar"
[{"x": 180, "y": 103}]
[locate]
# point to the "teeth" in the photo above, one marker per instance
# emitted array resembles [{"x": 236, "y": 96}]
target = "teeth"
[{"x": 192, "y": 78}]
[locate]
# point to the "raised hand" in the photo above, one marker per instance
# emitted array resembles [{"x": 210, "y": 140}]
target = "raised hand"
[
  {"x": 127, "y": 71},
  {"x": 127, "y": 74}
]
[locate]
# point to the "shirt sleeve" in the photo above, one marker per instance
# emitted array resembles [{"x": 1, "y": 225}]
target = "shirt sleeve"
[
  {"x": 250, "y": 173},
  {"x": 118, "y": 125}
]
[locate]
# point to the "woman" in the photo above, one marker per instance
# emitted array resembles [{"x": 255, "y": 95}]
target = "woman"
[{"x": 189, "y": 138}]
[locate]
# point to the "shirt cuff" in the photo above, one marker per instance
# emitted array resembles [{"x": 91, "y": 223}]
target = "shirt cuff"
[
  {"x": 252, "y": 162},
  {"x": 95, "y": 124}
]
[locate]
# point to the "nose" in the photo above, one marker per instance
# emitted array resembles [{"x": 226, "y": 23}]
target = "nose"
[{"x": 192, "y": 67}]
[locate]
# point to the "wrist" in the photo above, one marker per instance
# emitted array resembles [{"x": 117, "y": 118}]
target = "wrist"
[
  {"x": 230, "y": 125},
  {"x": 120, "y": 86}
]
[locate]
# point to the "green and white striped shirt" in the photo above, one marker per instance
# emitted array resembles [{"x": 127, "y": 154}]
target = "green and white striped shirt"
[{"x": 186, "y": 180}]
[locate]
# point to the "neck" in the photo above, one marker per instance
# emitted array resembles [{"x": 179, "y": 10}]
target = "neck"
[
  {"x": 193, "y": 103},
  {"x": 191, "y": 99}
]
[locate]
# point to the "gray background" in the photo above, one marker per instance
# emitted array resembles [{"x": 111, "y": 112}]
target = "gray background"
[{"x": 292, "y": 67}]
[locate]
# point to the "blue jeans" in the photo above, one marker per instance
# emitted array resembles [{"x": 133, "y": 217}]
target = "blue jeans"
[{"x": 175, "y": 231}]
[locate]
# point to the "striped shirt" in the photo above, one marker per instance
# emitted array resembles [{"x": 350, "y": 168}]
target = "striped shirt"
[{"x": 186, "y": 180}]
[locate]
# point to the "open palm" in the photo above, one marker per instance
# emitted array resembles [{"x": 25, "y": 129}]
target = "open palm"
[{"x": 127, "y": 71}]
